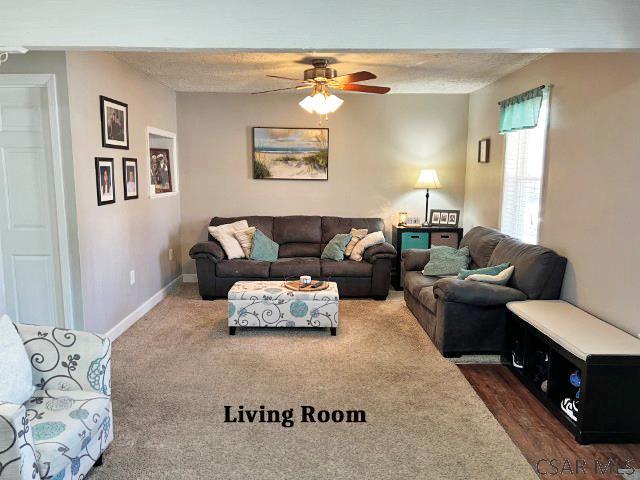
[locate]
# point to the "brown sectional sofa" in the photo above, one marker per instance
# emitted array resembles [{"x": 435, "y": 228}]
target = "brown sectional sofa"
[
  {"x": 464, "y": 317},
  {"x": 301, "y": 239}
]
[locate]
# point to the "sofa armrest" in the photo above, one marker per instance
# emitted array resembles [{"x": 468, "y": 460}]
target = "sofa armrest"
[
  {"x": 475, "y": 293},
  {"x": 211, "y": 250},
  {"x": 67, "y": 359},
  {"x": 17, "y": 455},
  {"x": 382, "y": 250},
  {"x": 414, "y": 259}
]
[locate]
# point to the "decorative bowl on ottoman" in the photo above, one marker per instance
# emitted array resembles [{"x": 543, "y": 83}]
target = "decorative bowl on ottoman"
[{"x": 271, "y": 304}]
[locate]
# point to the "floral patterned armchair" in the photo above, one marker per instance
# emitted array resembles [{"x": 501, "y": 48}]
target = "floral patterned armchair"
[{"x": 62, "y": 431}]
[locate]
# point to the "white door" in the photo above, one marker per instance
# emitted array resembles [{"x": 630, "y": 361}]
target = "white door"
[{"x": 28, "y": 233}]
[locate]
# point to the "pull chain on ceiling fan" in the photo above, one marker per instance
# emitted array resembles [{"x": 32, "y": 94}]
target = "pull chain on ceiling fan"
[{"x": 322, "y": 79}]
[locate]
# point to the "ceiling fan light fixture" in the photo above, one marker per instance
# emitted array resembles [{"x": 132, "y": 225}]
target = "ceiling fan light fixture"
[
  {"x": 307, "y": 103},
  {"x": 334, "y": 102}
]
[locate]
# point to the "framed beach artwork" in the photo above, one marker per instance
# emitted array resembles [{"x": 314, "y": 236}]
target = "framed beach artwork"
[{"x": 290, "y": 153}]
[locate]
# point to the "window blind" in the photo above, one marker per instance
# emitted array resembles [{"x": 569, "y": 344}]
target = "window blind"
[{"x": 523, "y": 178}]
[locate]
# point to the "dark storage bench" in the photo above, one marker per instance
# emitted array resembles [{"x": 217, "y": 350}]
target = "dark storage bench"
[{"x": 549, "y": 340}]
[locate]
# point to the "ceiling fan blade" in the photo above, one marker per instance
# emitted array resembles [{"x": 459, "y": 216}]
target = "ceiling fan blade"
[
  {"x": 364, "y": 88},
  {"x": 354, "y": 77},
  {"x": 297, "y": 87},
  {"x": 286, "y": 78}
]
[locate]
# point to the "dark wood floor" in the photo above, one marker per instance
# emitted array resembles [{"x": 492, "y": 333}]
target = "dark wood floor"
[{"x": 537, "y": 433}]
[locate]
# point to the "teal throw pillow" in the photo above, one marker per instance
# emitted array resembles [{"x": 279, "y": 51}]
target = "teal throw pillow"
[
  {"x": 495, "y": 270},
  {"x": 264, "y": 248},
  {"x": 446, "y": 261},
  {"x": 336, "y": 247}
]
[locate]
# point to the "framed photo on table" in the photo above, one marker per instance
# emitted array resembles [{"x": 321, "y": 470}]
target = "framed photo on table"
[
  {"x": 105, "y": 184},
  {"x": 130, "y": 178},
  {"x": 445, "y": 218},
  {"x": 114, "y": 117}
]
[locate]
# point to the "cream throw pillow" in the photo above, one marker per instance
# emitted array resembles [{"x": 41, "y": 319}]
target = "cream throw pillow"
[
  {"x": 370, "y": 240},
  {"x": 356, "y": 236},
  {"x": 245, "y": 237},
  {"x": 224, "y": 235},
  {"x": 15, "y": 370},
  {"x": 500, "y": 279}
]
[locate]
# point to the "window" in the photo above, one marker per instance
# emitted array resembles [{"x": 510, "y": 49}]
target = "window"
[{"x": 523, "y": 177}]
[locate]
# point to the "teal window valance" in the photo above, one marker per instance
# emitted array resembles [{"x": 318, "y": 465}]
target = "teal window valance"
[{"x": 522, "y": 111}]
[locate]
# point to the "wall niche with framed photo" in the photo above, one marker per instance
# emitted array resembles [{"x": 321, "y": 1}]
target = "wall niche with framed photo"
[
  {"x": 130, "y": 178},
  {"x": 163, "y": 163},
  {"x": 114, "y": 118},
  {"x": 105, "y": 183}
]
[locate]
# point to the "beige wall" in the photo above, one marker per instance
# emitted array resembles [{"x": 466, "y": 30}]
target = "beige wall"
[
  {"x": 590, "y": 206},
  {"x": 377, "y": 146},
  {"x": 128, "y": 235}
]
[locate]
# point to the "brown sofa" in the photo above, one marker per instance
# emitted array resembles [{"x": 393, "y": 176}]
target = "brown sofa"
[
  {"x": 301, "y": 240},
  {"x": 464, "y": 317}
]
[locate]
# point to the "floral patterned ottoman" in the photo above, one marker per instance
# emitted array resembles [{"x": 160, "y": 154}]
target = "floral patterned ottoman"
[{"x": 271, "y": 304}]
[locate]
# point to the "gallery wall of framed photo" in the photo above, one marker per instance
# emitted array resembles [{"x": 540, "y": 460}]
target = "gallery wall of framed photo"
[{"x": 161, "y": 161}]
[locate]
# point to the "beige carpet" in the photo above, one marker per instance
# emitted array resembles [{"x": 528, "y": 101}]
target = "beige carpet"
[{"x": 175, "y": 369}]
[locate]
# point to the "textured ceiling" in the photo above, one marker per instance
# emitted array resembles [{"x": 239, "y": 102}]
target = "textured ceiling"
[{"x": 245, "y": 72}]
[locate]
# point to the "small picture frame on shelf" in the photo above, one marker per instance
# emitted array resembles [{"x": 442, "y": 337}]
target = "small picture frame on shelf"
[
  {"x": 484, "y": 147},
  {"x": 445, "y": 218}
]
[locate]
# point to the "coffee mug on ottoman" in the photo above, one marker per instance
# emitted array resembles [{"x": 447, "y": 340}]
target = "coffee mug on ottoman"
[{"x": 305, "y": 280}]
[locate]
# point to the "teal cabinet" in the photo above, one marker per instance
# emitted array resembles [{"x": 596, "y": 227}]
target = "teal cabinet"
[{"x": 414, "y": 240}]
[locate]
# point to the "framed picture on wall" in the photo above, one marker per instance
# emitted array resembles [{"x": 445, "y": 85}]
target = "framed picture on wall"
[
  {"x": 484, "y": 146},
  {"x": 160, "y": 170},
  {"x": 130, "y": 178},
  {"x": 114, "y": 117},
  {"x": 290, "y": 153},
  {"x": 105, "y": 184}
]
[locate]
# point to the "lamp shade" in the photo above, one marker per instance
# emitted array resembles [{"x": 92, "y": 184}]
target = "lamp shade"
[{"x": 428, "y": 179}]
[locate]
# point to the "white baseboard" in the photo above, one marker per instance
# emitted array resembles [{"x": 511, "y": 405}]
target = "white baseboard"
[
  {"x": 189, "y": 278},
  {"x": 141, "y": 311}
]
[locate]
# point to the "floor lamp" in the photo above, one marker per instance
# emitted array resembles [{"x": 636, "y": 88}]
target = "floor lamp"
[{"x": 428, "y": 180}]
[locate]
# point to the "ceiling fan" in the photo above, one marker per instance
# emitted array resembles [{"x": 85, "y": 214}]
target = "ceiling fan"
[{"x": 322, "y": 79}]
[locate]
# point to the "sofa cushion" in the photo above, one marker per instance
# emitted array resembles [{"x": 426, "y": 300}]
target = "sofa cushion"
[
  {"x": 414, "y": 282},
  {"x": 297, "y": 229},
  {"x": 345, "y": 268},
  {"x": 481, "y": 241},
  {"x": 242, "y": 268},
  {"x": 427, "y": 299},
  {"x": 294, "y": 267},
  {"x": 539, "y": 271},
  {"x": 265, "y": 224},
  {"x": 63, "y": 422},
  {"x": 263, "y": 248},
  {"x": 289, "y": 250},
  {"x": 331, "y": 226},
  {"x": 336, "y": 247}
]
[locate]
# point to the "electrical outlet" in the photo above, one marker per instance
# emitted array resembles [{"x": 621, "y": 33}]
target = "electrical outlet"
[
  {"x": 132, "y": 277},
  {"x": 170, "y": 254}
]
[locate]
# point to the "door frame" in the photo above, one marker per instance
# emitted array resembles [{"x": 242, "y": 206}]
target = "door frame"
[{"x": 48, "y": 80}]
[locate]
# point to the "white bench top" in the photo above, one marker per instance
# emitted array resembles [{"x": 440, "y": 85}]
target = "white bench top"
[{"x": 576, "y": 330}]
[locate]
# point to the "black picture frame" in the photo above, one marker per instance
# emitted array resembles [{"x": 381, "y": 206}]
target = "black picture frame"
[
  {"x": 484, "y": 150},
  {"x": 101, "y": 164},
  {"x": 255, "y": 176},
  {"x": 451, "y": 218},
  {"x": 119, "y": 106},
  {"x": 126, "y": 163}
]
